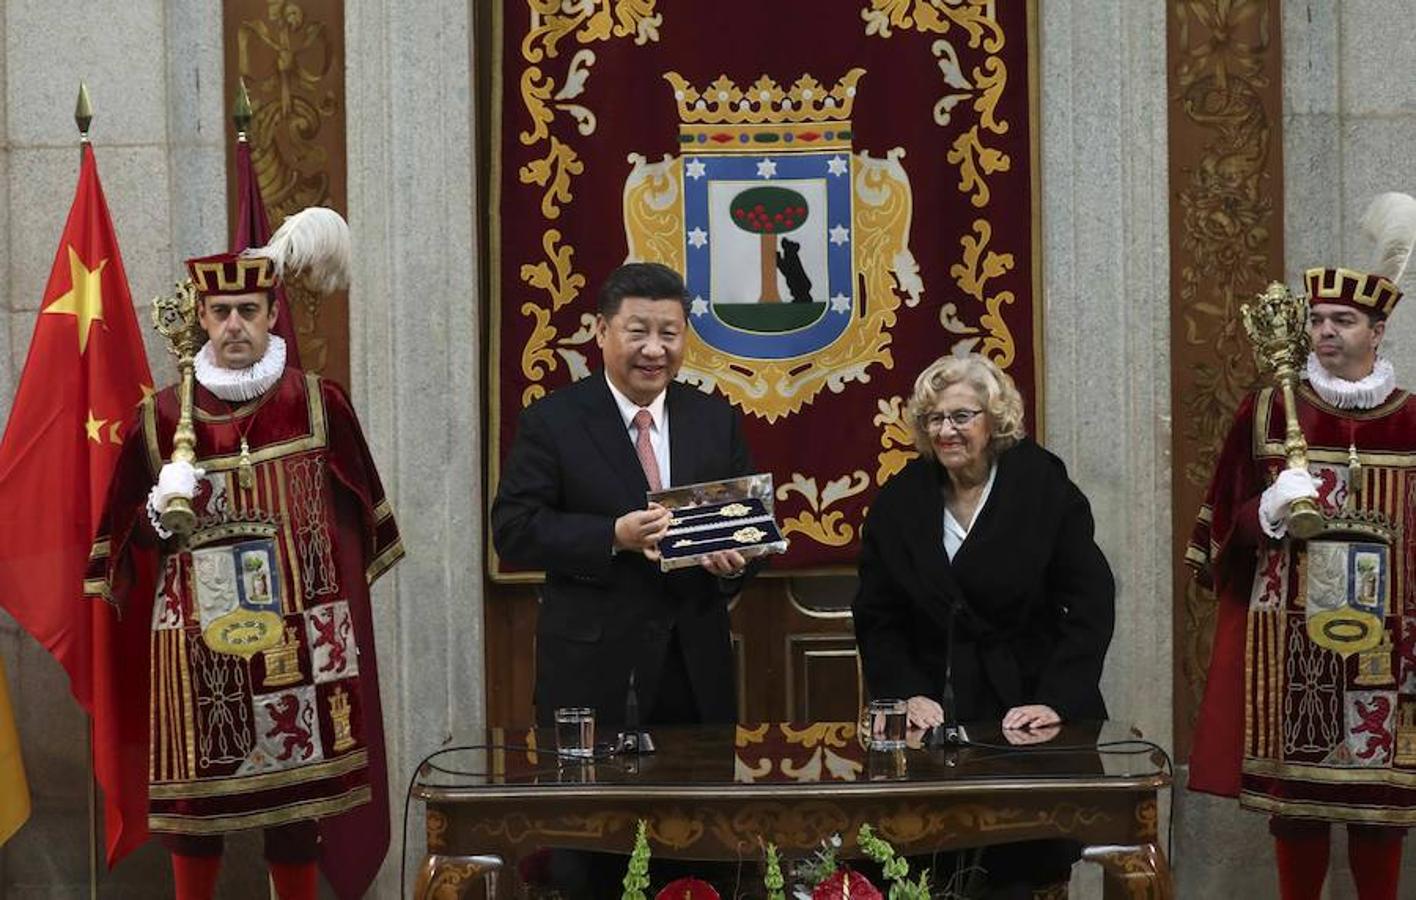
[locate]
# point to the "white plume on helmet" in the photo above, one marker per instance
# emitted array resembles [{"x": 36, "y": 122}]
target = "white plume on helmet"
[
  {"x": 313, "y": 243},
  {"x": 1390, "y": 221}
]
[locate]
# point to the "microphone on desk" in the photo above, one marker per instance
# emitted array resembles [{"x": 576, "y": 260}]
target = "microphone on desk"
[
  {"x": 633, "y": 739},
  {"x": 950, "y": 731}
]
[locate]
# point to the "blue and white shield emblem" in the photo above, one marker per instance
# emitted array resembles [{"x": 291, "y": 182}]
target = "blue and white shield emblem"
[
  {"x": 237, "y": 588},
  {"x": 794, "y": 245},
  {"x": 768, "y": 251}
]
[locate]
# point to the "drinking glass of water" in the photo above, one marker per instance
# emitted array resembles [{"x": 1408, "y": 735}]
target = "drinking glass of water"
[
  {"x": 886, "y": 720},
  {"x": 575, "y": 731}
]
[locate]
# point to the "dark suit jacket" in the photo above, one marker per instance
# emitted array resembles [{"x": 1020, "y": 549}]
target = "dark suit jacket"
[
  {"x": 571, "y": 472},
  {"x": 1034, "y": 597}
]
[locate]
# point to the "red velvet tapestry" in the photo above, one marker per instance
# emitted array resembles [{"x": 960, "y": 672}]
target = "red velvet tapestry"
[{"x": 849, "y": 189}]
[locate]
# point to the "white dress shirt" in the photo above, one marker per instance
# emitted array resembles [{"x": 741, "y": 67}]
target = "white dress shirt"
[
  {"x": 954, "y": 532},
  {"x": 658, "y": 432}
]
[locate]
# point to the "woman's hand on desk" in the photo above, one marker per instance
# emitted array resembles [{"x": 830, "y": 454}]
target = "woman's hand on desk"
[
  {"x": 1034, "y": 716},
  {"x": 924, "y": 712},
  {"x": 1023, "y": 736}
]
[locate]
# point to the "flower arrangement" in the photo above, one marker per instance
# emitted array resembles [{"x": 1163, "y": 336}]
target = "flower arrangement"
[
  {"x": 895, "y": 867},
  {"x": 772, "y": 878},
  {"x": 818, "y": 877},
  {"x": 637, "y": 878}
]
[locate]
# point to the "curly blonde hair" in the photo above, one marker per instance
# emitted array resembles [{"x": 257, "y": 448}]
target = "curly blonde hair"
[{"x": 996, "y": 391}]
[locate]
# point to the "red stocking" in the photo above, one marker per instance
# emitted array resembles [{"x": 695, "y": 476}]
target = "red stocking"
[
  {"x": 1374, "y": 853},
  {"x": 195, "y": 876},
  {"x": 1302, "y": 864},
  {"x": 295, "y": 881}
]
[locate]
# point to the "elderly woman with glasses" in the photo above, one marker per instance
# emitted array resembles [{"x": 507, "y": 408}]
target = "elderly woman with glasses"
[
  {"x": 984, "y": 545},
  {"x": 979, "y": 577}
]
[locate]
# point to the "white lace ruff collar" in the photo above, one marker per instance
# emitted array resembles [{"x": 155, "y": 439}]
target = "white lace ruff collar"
[
  {"x": 1343, "y": 394},
  {"x": 240, "y": 385}
]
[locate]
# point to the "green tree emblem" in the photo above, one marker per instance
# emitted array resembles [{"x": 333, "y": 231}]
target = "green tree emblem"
[{"x": 769, "y": 211}]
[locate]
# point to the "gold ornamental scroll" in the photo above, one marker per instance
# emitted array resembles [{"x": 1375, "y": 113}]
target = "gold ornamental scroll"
[
  {"x": 1225, "y": 129},
  {"x": 291, "y": 55}
]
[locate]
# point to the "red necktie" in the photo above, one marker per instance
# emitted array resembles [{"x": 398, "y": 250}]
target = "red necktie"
[{"x": 642, "y": 421}]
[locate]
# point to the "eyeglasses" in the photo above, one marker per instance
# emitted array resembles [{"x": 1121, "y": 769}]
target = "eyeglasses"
[{"x": 959, "y": 418}]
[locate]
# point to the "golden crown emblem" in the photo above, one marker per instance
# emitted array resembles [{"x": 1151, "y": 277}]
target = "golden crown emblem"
[
  {"x": 1370, "y": 524},
  {"x": 724, "y": 103}
]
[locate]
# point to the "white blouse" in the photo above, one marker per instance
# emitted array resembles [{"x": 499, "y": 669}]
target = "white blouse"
[{"x": 954, "y": 532}]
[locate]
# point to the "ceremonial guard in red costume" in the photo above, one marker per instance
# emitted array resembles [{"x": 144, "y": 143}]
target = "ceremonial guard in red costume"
[
  {"x": 250, "y": 699},
  {"x": 1309, "y": 713}
]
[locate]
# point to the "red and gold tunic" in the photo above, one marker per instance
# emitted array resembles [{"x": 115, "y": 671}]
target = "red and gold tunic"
[
  {"x": 260, "y": 679},
  {"x": 1310, "y": 707}
]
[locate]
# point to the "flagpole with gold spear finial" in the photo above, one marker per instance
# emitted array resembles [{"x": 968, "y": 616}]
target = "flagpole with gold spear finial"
[
  {"x": 83, "y": 114},
  {"x": 1277, "y": 325},
  {"x": 83, "y": 117},
  {"x": 242, "y": 114}
]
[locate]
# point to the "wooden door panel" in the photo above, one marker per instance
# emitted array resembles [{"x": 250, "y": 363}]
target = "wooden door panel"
[
  {"x": 793, "y": 651},
  {"x": 823, "y": 684}
]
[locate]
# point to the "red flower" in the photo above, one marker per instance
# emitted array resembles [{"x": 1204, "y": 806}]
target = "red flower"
[
  {"x": 846, "y": 885},
  {"x": 688, "y": 889}
]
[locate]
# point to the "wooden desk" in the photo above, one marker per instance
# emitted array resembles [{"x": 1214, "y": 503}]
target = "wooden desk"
[{"x": 711, "y": 791}]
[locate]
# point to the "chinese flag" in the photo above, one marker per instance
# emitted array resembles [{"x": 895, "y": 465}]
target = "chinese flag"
[
  {"x": 253, "y": 230},
  {"x": 84, "y": 376}
]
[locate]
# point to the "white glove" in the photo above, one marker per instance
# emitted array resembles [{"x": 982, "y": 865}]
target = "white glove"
[
  {"x": 177, "y": 479},
  {"x": 1291, "y": 484}
]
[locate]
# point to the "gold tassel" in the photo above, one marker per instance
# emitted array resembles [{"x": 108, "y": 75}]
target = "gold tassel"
[
  {"x": 247, "y": 475},
  {"x": 1354, "y": 475}
]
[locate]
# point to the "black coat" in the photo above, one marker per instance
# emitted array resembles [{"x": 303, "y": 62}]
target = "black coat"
[
  {"x": 571, "y": 472},
  {"x": 1034, "y": 597}
]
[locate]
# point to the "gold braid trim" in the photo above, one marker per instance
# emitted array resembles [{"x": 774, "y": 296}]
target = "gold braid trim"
[{"x": 294, "y": 812}]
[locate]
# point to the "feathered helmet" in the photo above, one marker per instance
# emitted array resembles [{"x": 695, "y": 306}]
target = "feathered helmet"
[
  {"x": 312, "y": 244},
  {"x": 1390, "y": 222}
]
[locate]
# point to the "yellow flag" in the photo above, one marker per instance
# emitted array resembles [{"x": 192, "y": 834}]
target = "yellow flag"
[{"x": 14, "y": 792}]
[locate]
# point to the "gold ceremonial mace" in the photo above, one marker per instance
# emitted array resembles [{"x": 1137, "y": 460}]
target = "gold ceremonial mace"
[
  {"x": 1277, "y": 324},
  {"x": 175, "y": 318}
]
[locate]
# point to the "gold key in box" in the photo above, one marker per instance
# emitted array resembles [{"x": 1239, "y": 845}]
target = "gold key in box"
[{"x": 733, "y": 514}]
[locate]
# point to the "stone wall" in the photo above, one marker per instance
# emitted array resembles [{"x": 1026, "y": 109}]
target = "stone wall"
[
  {"x": 1106, "y": 270},
  {"x": 416, "y": 367}
]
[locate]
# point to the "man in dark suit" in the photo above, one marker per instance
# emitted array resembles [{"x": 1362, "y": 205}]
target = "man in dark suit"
[{"x": 572, "y": 501}]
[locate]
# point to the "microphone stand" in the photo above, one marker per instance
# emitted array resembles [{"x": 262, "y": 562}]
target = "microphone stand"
[
  {"x": 951, "y": 732},
  {"x": 633, "y": 739}
]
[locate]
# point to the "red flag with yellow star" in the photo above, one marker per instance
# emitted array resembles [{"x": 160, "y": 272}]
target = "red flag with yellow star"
[{"x": 85, "y": 373}]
